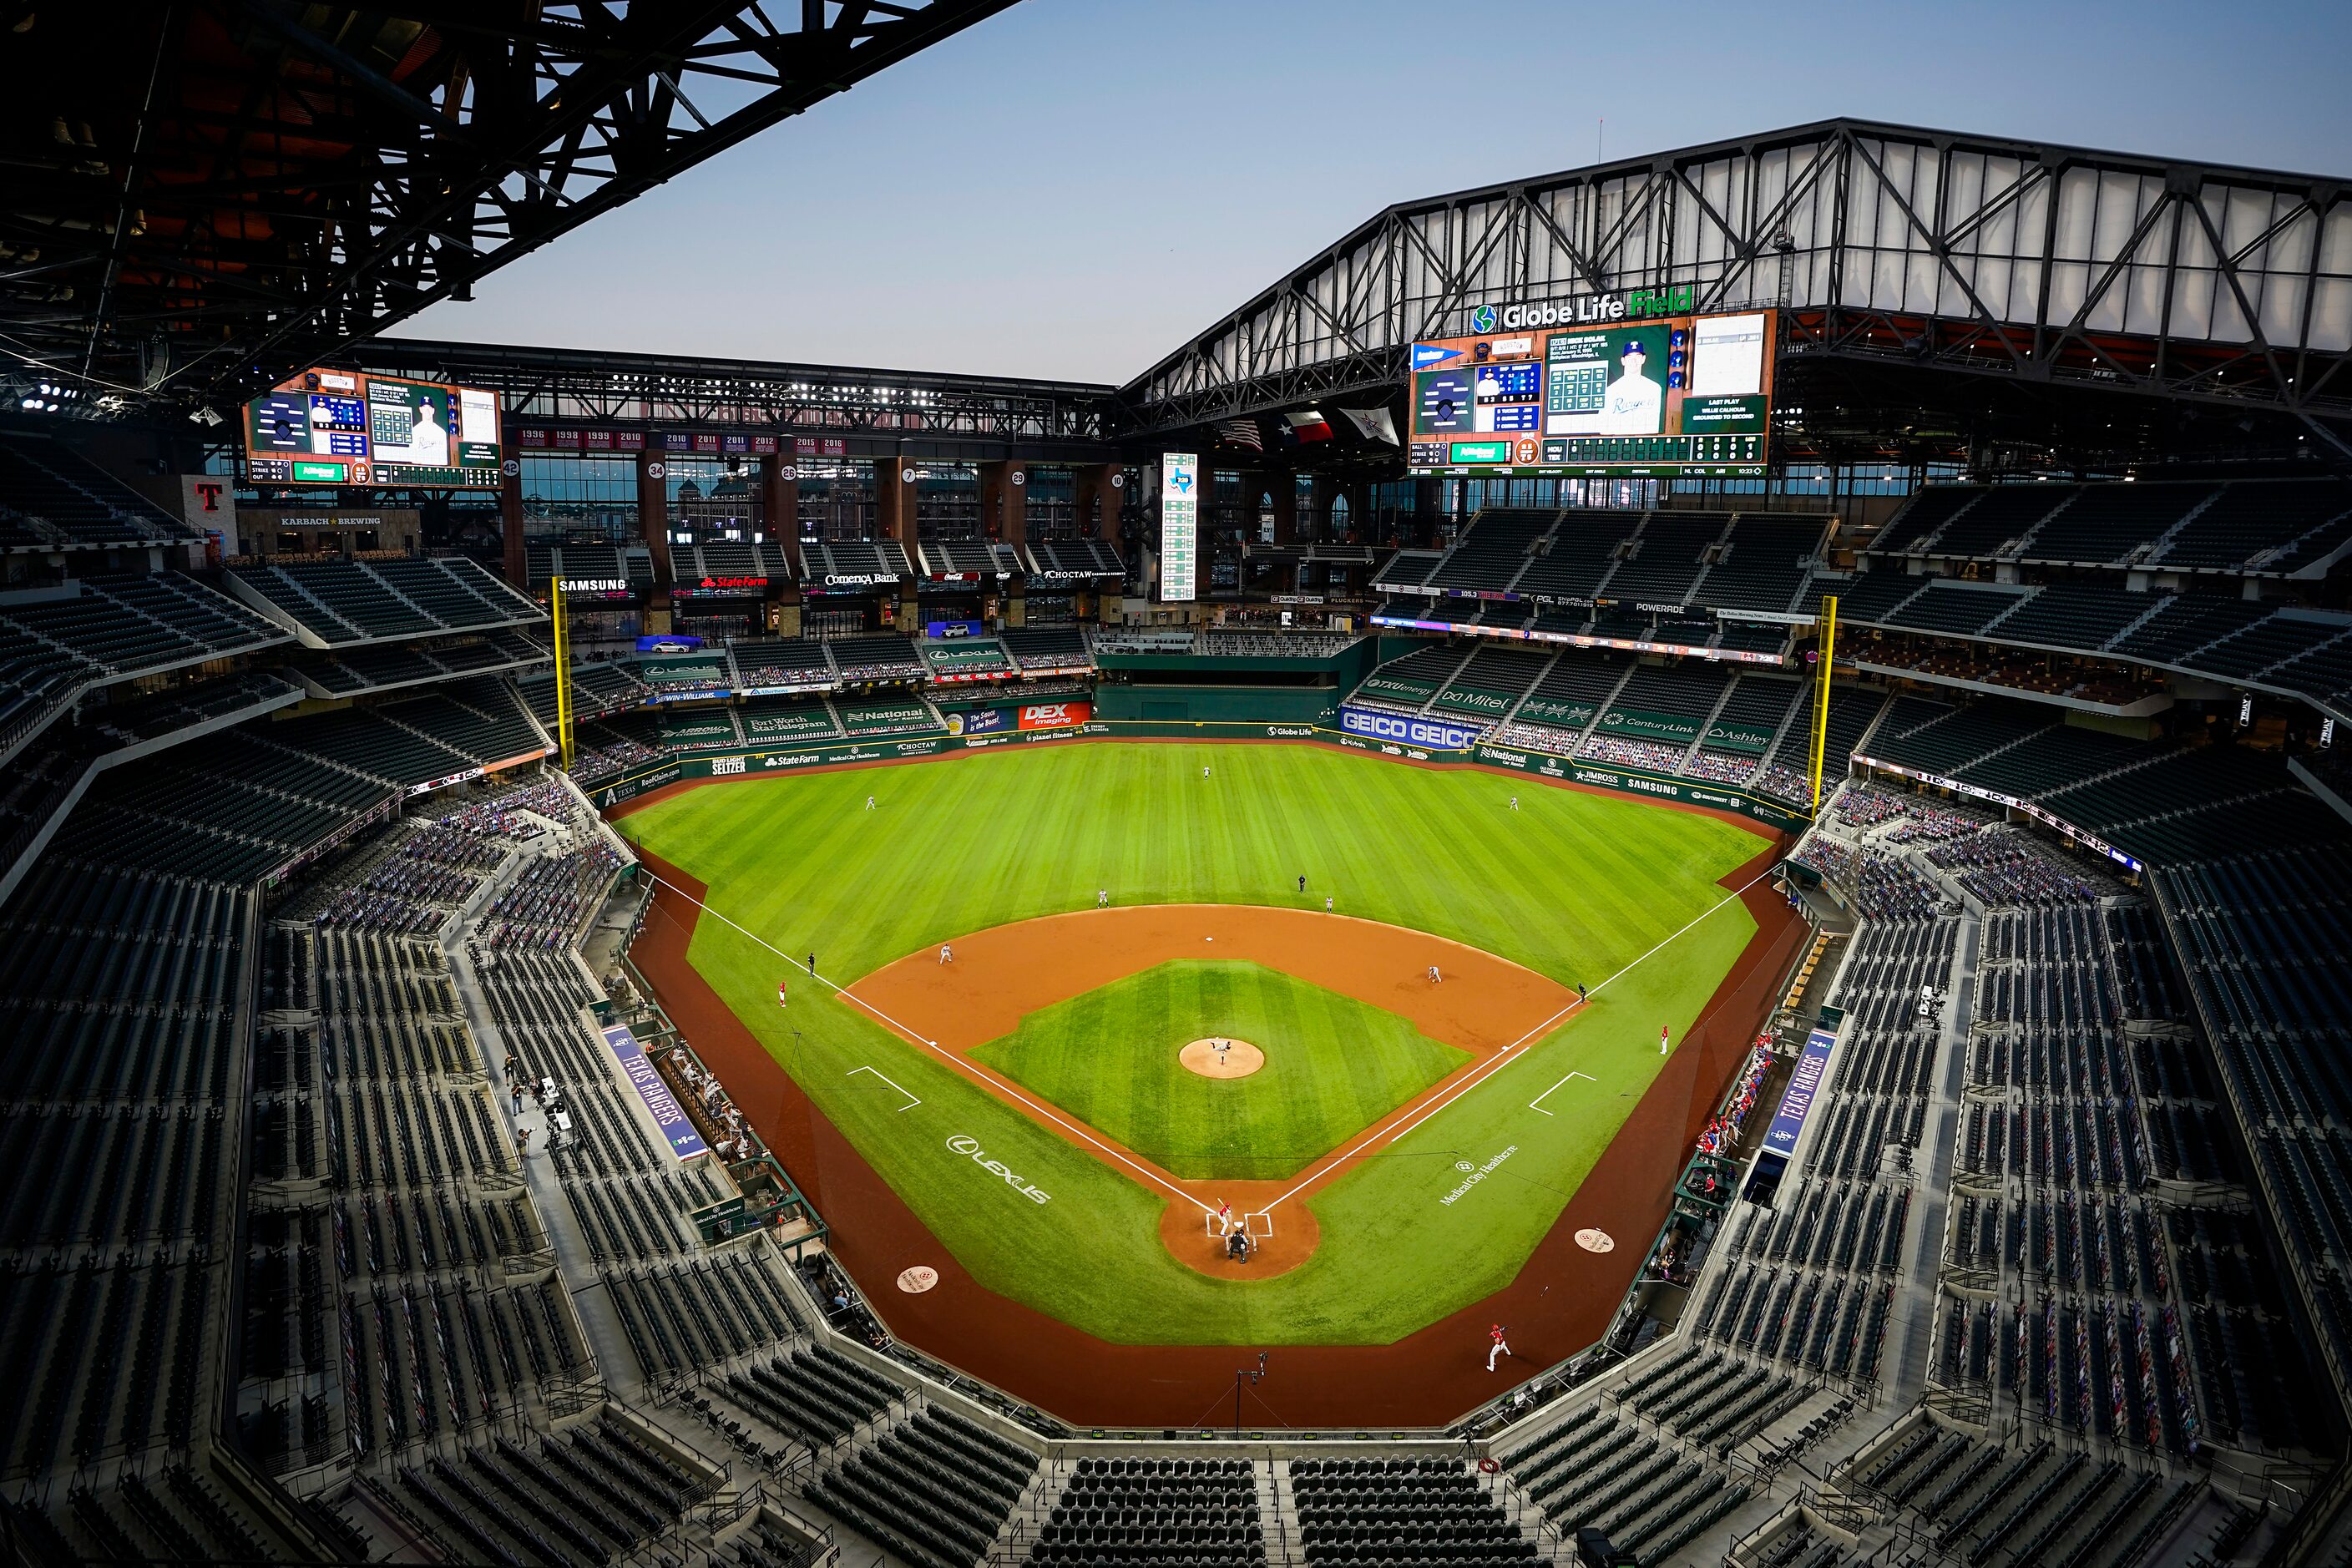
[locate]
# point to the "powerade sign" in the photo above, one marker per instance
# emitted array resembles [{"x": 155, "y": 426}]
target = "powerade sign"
[
  {"x": 1804, "y": 1085},
  {"x": 1396, "y": 727}
]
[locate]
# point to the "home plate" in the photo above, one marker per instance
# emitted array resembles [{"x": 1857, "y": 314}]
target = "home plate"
[
  {"x": 922, "y": 1277},
  {"x": 1595, "y": 1241}
]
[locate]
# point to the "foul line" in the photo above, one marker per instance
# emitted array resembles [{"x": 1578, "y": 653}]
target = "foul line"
[
  {"x": 958, "y": 1063},
  {"x": 1519, "y": 1048},
  {"x": 1537, "y": 1103},
  {"x": 913, "y": 1100}
]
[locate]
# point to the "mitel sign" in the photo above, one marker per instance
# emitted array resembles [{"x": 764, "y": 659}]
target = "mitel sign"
[{"x": 1413, "y": 732}]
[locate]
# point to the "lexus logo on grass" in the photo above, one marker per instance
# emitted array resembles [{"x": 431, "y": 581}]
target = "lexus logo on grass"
[{"x": 969, "y": 1147}]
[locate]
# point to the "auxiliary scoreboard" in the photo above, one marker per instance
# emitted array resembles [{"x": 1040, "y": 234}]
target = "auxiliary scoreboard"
[{"x": 1595, "y": 394}]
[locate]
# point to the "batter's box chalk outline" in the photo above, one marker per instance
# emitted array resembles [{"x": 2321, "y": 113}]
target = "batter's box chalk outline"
[
  {"x": 912, "y": 1100},
  {"x": 1258, "y": 1224}
]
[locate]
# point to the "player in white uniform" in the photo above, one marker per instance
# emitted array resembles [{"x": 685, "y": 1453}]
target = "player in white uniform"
[{"x": 1635, "y": 405}]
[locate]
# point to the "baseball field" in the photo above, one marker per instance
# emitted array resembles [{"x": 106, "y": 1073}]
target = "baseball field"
[{"x": 1398, "y": 1145}]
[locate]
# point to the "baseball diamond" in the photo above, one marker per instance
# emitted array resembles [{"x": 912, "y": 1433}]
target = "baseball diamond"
[{"x": 1052, "y": 1037}]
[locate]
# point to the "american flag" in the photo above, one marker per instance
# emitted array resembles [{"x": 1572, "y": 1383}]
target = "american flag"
[{"x": 1241, "y": 433}]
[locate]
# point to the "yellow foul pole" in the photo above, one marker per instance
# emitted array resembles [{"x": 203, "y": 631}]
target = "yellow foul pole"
[
  {"x": 1821, "y": 695},
  {"x": 563, "y": 673}
]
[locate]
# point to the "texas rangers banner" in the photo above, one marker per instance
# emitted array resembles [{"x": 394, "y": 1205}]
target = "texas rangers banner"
[
  {"x": 668, "y": 1113},
  {"x": 1804, "y": 1085}
]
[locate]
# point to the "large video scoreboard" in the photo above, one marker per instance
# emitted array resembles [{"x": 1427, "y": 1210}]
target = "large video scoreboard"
[
  {"x": 348, "y": 427},
  {"x": 1575, "y": 389}
]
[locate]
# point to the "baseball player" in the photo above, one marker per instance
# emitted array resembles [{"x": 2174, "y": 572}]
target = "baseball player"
[
  {"x": 1515, "y": 803},
  {"x": 947, "y": 954},
  {"x": 1102, "y": 897},
  {"x": 869, "y": 803},
  {"x": 1665, "y": 1039},
  {"x": 1436, "y": 978},
  {"x": 1224, "y": 1048},
  {"x": 1501, "y": 1347}
]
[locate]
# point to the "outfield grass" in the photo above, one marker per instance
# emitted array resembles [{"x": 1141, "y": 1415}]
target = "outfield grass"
[
  {"x": 1574, "y": 885},
  {"x": 1333, "y": 1066}
]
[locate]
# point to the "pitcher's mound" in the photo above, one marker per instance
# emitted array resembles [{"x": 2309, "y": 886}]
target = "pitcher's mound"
[{"x": 1239, "y": 1060}]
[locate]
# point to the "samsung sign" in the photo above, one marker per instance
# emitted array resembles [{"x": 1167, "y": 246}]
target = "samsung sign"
[{"x": 1426, "y": 732}]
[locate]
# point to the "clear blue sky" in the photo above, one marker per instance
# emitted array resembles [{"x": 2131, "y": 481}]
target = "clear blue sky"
[{"x": 1077, "y": 187}]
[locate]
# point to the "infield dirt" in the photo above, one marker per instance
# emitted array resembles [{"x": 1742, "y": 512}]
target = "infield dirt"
[{"x": 1484, "y": 1004}]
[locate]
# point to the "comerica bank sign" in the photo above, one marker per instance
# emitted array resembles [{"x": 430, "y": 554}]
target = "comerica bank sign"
[{"x": 1586, "y": 310}]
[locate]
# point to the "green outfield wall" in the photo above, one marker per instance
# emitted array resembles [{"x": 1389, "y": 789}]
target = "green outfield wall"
[{"x": 771, "y": 762}]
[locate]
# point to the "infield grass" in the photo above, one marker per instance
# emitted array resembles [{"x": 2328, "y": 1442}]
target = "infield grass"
[
  {"x": 1574, "y": 885},
  {"x": 1333, "y": 1066}
]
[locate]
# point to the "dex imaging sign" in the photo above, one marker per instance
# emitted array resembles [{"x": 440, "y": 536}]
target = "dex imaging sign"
[{"x": 1427, "y": 732}]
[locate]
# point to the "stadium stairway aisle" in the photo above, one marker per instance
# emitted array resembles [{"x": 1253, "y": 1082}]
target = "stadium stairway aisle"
[{"x": 1914, "y": 1308}]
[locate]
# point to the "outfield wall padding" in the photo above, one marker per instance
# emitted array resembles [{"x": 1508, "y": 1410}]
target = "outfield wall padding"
[
  {"x": 771, "y": 762},
  {"x": 1217, "y": 704}
]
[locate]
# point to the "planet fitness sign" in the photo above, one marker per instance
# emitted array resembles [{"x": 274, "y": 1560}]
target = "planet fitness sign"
[{"x": 1409, "y": 732}]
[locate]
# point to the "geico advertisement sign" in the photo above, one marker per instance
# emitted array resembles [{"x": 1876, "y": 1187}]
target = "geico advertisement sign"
[
  {"x": 969, "y": 1148},
  {"x": 1055, "y": 715},
  {"x": 1396, "y": 727}
]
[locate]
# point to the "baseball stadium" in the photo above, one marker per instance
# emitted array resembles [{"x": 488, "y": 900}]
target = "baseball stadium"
[{"x": 1648, "y": 868}]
